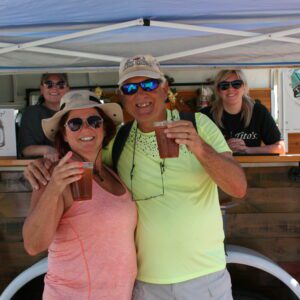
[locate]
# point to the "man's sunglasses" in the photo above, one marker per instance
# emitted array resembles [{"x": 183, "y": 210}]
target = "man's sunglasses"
[
  {"x": 236, "y": 84},
  {"x": 148, "y": 85},
  {"x": 50, "y": 84},
  {"x": 76, "y": 124}
]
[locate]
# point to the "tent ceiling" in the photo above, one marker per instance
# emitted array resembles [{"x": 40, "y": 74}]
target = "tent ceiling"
[{"x": 72, "y": 34}]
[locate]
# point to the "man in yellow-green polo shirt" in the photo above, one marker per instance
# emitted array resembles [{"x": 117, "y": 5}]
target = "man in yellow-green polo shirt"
[{"x": 179, "y": 236}]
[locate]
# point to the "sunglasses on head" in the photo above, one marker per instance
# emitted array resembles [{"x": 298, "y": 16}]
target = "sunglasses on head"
[
  {"x": 50, "y": 84},
  {"x": 236, "y": 84},
  {"x": 76, "y": 124},
  {"x": 148, "y": 85}
]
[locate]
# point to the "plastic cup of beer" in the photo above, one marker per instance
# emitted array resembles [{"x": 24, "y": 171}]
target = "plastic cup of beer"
[
  {"x": 167, "y": 147},
  {"x": 82, "y": 188}
]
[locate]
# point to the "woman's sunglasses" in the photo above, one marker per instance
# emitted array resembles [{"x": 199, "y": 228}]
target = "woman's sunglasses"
[
  {"x": 148, "y": 85},
  {"x": 76, "y": 124},
  {"x": 236, "y": 84},
  {"x": 50, "y": 84}
]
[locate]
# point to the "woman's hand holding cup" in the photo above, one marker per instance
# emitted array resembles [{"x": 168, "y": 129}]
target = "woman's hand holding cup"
[{"x": 65, "y": 173}]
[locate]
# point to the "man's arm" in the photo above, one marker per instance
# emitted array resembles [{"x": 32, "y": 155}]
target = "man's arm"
[
  {"x": 221, "y": 167},
  {"x": 41, "y": 150},
  {"x": 224, "y": 170}
]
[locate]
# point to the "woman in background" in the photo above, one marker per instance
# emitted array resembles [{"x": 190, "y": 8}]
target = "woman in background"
[
  {"x": 247, "y": 125},
  {"x": 32, "y": 141}
]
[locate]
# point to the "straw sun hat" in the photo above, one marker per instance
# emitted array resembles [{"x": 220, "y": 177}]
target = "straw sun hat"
[{"x": 80, "y": 99}]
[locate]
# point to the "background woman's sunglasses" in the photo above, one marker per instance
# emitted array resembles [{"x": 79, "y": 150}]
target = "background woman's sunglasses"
[
  {"x": 50, "y": 84},
  {"x": 236, "y": 84},
  {"x": 148, "y": 85},
  {"x": 76, "y": 124}
]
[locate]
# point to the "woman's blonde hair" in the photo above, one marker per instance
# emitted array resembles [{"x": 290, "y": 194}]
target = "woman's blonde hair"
[{"x": 217, "y": 105}]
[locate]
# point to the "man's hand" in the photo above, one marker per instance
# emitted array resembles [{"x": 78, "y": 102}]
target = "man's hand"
[
  {"x": 37, "y": 172},
  {"x": 51, "y": 154},
  {"x": 185, "y": 133}
]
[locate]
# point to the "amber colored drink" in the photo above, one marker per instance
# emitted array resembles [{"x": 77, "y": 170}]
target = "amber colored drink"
[
  {"x": 167, "y": 147},
  {"x": 82, "y": 189}
]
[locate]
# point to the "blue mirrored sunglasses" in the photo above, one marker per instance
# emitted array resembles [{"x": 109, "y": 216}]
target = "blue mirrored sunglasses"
[{"x": 148, "y": 85}]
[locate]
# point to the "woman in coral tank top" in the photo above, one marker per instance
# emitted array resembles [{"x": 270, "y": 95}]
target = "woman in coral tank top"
[{"x": 91, "y": 253}]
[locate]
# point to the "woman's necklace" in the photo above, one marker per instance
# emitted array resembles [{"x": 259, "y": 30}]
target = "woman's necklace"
[{"x": 96, "y": 171}]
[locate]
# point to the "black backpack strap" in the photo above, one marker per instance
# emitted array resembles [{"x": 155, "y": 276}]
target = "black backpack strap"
[
  {"x": 188, "y": 116},
  {"x": 119, "y": 142}
]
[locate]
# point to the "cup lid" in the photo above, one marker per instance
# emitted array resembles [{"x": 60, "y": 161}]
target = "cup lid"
[
  {"x": 162, "y": 123},
  {"x": 88, "y": 165}
]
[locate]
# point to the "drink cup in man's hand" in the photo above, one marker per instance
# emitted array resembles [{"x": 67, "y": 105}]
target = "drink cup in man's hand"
[{"x": 167, "y": 147}]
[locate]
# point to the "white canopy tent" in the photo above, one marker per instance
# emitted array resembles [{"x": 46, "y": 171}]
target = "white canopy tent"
[{"x": 36, "y": 36}]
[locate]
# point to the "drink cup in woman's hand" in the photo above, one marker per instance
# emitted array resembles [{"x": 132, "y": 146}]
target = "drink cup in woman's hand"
[{"x": 82, "y": 188}]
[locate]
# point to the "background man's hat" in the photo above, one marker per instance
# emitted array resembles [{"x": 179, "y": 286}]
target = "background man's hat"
[
  {"x": 80, "y": 99},
  {"x": 139, "y": 65},
  {"x": 63, "y": 76}
]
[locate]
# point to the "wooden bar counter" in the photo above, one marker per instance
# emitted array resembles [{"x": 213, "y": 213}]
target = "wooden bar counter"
[
  {"x": 269, "y": 159},
  {"x": 15, "y": 194},
  {"x": 266, "y": 220}
]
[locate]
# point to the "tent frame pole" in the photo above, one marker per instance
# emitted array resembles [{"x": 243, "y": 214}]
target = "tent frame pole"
[
  {"x": 251, "y": 37},
  {"x": 66, "y": 37}
]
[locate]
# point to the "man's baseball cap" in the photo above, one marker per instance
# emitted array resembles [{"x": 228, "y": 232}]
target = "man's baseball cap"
[{"x": 139, "y": 65}]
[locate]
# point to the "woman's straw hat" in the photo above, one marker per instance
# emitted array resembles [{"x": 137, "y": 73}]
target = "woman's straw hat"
[{"x": 80, "y": 99}]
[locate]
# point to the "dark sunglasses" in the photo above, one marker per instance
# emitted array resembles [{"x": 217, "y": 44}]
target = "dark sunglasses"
[
  {"x": 76, "y": 124},
  {"x": 50, "y": 84},
  {"x": 236, "y": 84},
  {"x": 148, "y": 85}
]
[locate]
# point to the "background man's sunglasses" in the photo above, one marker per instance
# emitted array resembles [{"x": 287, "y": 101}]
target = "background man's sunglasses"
[
  {"x": 50, "y": 84},
  {"x": 236, "y": 84},
  {"x": 76, "y": 124},
  {"x": 148, "y": 85}
]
